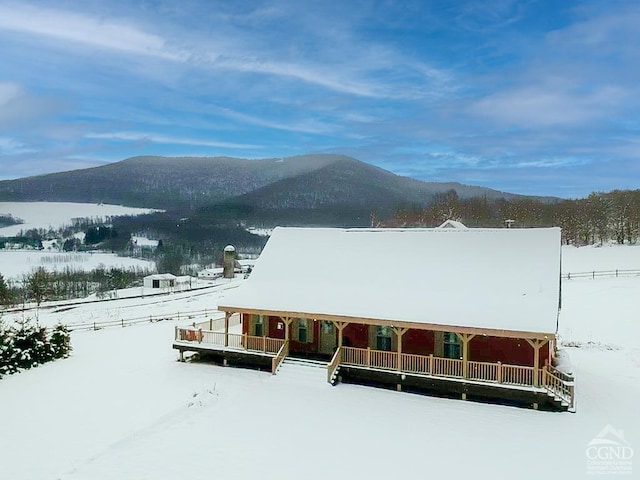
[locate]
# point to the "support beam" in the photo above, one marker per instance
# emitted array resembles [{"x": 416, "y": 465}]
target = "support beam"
[
  {"x": 465, "y": 338},
  {"x": 536, "y": 344},
  {"x": 287, "y": 326},
  {"x": 340, "y": 326},
  {"x": 400, "y": 331},
  {"x": 227, "y": 315}
]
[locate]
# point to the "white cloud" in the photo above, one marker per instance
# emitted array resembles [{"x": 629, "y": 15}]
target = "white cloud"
[
  {"x": 8, "y": 91},
  {"x": 549, "y": 106},
  {"x": 154, "y": 138},
  {"x": 18, "y": 106},
  {"x": 83, "y": 29},
  {"x": 10, "y": 146}
]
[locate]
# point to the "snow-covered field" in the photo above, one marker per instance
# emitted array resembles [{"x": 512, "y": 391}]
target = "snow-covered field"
[
  {"x": 123, "y": 407},
  {"x": 15, "y": 264},
  {"x": 57, "y": 214}
]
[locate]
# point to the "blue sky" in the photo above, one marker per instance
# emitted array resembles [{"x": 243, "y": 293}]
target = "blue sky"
[{"x": 533, "y": 97}]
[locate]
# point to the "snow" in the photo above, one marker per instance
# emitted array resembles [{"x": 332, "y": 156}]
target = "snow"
[
  {"x": 16, "y": 263},
  {"x": 122, "y": 407},
  {"x": 465, "y": 278},
  {"x": 144, "y": 241},
  {"x": 600, "y": 258},
  {"x": 57, "y": 214}
]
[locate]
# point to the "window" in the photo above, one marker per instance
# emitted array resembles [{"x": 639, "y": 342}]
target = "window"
[
  {"x": 302, "y": 330},
  {"x": 258, "y": 325},
  {"x": 451, "y": 345},
  {"x": 383, "y": 338}
]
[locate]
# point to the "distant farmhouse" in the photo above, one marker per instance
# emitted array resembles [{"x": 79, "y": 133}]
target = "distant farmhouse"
[{"x": 452, "y": 311}]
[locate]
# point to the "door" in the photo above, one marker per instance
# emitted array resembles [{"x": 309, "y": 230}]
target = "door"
[{"x": 328, "y": 338}]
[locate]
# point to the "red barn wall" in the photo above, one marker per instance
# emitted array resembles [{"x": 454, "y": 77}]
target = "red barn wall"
[
  {"x": 355, "y": 335},
  {"x": 245, "y": 323},
  {"x": 418, "y": 342},
  {"x": 274, "y": 331},
  {"x": 513, "y": 351}
]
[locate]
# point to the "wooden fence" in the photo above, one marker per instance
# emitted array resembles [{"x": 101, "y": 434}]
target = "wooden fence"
[
  {"x": 213, "y": 318},
  {"x": 601, "y": 273}
]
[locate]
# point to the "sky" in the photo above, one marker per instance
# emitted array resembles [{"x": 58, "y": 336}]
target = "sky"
[{"x": 531, "y": 97}]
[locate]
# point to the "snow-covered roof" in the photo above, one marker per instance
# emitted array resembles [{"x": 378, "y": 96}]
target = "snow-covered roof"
[
  {"x": 161, "y": 276},
  {"x": 502, "y": 279},
  {"x": 452, "y": 224}
]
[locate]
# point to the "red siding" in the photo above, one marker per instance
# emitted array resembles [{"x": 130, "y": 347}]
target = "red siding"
[
  {"x": 245, "y": 323},
  {"x": 274, "y": 331},
  {"x": 418, "y": 342},
  {"x": 513, "y": 351},
  {"x": 355, "y": 335}
]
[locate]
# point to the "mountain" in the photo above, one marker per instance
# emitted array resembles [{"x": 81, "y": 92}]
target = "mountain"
[
  {"x": 349, "y": 182},
  {"x": 303, "y": 182},
  {"x": 160, "y": 182}
]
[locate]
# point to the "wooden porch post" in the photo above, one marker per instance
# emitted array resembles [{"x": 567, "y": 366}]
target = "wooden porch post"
[
  {"x": 226, "y": 328},
  {"x": 287, "y": 327},
  {"x": 536, "y": 344},
  {"x": 465, "y": 338},
  {"x": 340, "y": 326},
  {"x": 400, "y": 331}
]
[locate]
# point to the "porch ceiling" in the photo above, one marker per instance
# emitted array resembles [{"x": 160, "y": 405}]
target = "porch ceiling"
[{"x": 394, "y": 323}]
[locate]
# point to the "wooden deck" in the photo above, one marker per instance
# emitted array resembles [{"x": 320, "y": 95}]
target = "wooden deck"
[
  {"x": 535, "y": 386},
  {"x": 231, "y": 346}
]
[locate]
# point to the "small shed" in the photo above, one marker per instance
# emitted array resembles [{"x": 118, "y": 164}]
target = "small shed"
[{"x": 160, "y": 280}]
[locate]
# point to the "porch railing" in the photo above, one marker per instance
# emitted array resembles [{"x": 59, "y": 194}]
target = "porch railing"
[
  {"x": 548, "y": 377},
  {"x": 560, "y": 385},
  {"x": 488, "y": 372},
  {"x": 334, "y": 364},
  {"x": 280, "y": 356},
  {"x": 230, "y": 340}
]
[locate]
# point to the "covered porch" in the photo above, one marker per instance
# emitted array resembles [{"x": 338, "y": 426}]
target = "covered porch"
[{"x": 465, "y": 361}]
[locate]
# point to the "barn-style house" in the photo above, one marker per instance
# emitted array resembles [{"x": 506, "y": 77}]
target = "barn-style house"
[{"x": 459, "y": 312}]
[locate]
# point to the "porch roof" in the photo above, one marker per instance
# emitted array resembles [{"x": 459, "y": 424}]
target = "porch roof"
[{"x": 493, "y": 279}]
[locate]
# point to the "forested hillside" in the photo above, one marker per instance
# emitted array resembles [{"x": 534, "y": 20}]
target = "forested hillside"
[
  {"x": 601, "y": 217},
  {"x": 189, "y": 183}
]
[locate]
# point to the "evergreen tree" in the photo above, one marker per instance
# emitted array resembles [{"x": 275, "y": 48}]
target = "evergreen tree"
[
  {"x": 5, "y": 294},
  {"x": 7, "y": 352},
  {"x": 60, "y": 341}
]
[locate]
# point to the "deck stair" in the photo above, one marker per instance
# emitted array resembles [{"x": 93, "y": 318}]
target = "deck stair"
[{"x": 303, "y": 370}]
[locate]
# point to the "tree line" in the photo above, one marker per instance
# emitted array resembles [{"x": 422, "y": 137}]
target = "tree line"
[
  {"x": 41, "y": 285},
  {"x": 596, "y": 219}
]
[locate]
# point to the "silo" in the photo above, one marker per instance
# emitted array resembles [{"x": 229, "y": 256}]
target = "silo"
[{"x": 229, "y": 261}]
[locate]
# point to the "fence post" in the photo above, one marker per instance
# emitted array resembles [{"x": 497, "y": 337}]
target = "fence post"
[
  {"x": 122, "y": 321},
  {"x": 368, "y": 356},
  {"x": 264, "y": 344},
  {"x": 499, "y": 373},
  {"x": 431, "y": 364},
  {"x": 94, "y": 326}
]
